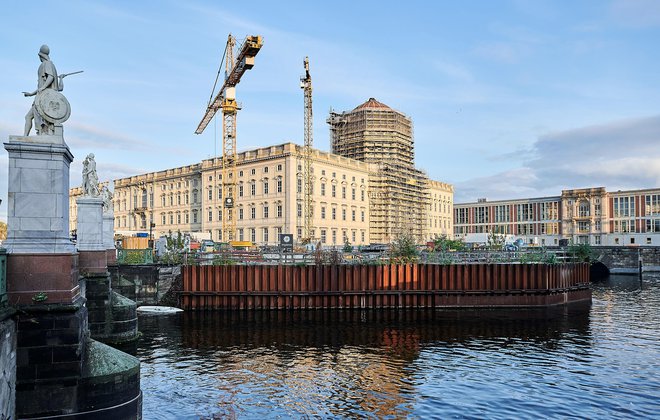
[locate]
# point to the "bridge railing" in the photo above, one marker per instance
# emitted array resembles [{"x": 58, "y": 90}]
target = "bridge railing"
[
  {"x": 528, "y": 256},
  {"x": 332, "y": 256},
  {"x": 135, "y": 256}
]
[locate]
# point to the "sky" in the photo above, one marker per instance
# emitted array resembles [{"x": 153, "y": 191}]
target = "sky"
[{"x": 509, "y": 98}]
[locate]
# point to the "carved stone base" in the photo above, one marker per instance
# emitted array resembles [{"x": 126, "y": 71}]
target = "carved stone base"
[
  {"x": 42, "y": 279},
  {"x": 92, "y": 262},
  {"x": 111, "y": 256}
]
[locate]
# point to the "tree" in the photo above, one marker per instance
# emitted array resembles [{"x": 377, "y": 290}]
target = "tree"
[
  {"x": 581, "y": 252},
  {"x": 3, "y": 231},
  {"x": 174, "y": 249},
  {"x": 347, "y": 246},
  {"x": 495, "y": 240},
  {"x": 443, "y": 243},
  {"x": 404, "y": 249}
]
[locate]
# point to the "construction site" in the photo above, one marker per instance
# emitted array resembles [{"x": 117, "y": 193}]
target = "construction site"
[
  {"x": 400, "y": 195},
  {"x": 365, "y": 191}
]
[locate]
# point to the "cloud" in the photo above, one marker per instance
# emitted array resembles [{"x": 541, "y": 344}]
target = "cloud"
[
  {"x": 452, "y": 70},
  {"x": 635, "y": 13},
  {"x": 499, "y": 51},
  {"x": 617, "y": 155},
  {"x": 92, "y": 137}
]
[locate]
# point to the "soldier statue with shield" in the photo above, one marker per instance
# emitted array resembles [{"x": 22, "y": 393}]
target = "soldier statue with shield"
[{"x": 50, "y": 107}]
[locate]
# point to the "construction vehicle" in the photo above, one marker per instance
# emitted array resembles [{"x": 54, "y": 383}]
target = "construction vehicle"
[{"x": 235, "y": 67}]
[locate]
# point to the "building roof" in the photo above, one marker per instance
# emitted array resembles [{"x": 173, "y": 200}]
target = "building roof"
[{"x": 373, "y": 103}]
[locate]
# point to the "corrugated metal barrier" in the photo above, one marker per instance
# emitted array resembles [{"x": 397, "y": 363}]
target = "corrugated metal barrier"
[{"x": 382, "y": 286}]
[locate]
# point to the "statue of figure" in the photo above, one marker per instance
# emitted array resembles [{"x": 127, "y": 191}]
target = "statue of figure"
[
  {"x": 50, "y": 107},
  {"x": 107, "y": 199},
  {"x": 90, "y": 179}
]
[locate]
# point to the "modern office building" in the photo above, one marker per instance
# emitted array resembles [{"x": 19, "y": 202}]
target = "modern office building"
[{"x": 587, "y": 215}]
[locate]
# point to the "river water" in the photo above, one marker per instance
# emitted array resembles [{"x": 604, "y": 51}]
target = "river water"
[{"x": 591, "y": 361}]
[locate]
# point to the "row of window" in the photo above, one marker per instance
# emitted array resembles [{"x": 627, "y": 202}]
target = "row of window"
[
  {"x": 333, "y": 236},
  {"x": 170, "y": 218},
  {"x": 444, "y": 223},
  {"x": 551, "y": 228},
  {"x": 333, "y": 190},
  {"x": 186, "y": 183},
  {"x": 333, "y": 213},
  {"x": 250, "y": 234}
]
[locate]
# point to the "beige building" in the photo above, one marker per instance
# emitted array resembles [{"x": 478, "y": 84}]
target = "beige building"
[
  {"x": 74, "y": 194},
  {"x": 368, "y": 191},
  {"x": 440, "y": 213},
  {"x": 268, "y": 198},
  {"x": 403, "y": 198},
  {"x": 587, "y": 215}
]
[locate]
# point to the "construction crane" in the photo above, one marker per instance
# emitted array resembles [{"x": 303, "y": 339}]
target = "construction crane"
[
  {"x": 308, "y": 209},
  {"x": 226, "y": 99}
]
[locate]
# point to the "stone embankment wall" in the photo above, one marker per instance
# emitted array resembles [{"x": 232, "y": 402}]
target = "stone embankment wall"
[
  {"x": 7, "y": 367},
  {"x": 626, "y": 259},
  {"x": 147, "y": 284}
]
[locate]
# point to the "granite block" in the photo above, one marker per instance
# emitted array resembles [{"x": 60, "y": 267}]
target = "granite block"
[
  {"x": 36, "y": 180},
  {"x": 35, "y": 223},
  {"x": 34, "y": 205},
  {"x": 36, "y": 161}
]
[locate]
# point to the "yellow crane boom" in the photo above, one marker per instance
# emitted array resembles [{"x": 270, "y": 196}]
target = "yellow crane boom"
[{"x": 226, "y": 99}]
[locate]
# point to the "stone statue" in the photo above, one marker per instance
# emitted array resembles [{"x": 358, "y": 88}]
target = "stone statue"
[
  {"x": 50, "y": 108},
  {"x": 107, "y": 200},
  {"x": 90, "y": 185}
]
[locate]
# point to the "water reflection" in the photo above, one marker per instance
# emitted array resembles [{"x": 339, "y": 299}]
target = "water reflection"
[
  {"x": 327, "y": 362},
  {"x": 577, "y": 360}
]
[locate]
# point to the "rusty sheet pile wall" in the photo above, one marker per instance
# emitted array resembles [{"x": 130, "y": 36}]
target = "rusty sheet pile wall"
[{"x": 387, "y": 286}]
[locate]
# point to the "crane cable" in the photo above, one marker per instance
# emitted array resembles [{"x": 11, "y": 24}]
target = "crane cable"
[{"x": 217, "y": 76}]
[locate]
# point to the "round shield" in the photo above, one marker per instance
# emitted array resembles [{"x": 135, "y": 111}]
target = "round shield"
[{"x": 52, "y": 106}]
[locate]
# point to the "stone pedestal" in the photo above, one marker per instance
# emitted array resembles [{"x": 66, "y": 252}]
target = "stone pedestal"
[
  {"x": 109, "y": 237},
  {"x": 42, "y": 261},
  {"x": 90, "y": 236},
  {"x": 38, "y": 196},
  {"x": 90, "y": 224},
  {"x": 112, "y": 317},
  {"x": 60, "y": 371}
]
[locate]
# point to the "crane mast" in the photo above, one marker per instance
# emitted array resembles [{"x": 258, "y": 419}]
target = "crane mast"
[
  {"x": 308, "y": 213},
  {"x": 226, "y": 99}
]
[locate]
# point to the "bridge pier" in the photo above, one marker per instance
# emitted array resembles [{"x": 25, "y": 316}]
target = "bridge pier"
[
  {"x": 626, "y": 259},
  {"x": 60, "y": 370}
]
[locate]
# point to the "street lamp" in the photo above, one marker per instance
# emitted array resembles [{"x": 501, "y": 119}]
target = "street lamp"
[{"x": 151, "y": 238}]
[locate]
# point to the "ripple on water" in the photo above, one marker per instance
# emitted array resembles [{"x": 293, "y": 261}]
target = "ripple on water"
[{"x": 598, "y": 362}]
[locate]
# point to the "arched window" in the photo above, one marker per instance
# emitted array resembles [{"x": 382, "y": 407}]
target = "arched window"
[{"x": 583, "y": 208}]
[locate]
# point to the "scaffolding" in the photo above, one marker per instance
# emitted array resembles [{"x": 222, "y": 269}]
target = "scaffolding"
[
  {"x": 398, "y": 193},
  {"x": 373, "y": 132}
]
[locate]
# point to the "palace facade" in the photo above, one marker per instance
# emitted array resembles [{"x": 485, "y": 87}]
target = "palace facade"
[
  {"x": 366, "y": 191},
  {"x": 188, "y": 199}
]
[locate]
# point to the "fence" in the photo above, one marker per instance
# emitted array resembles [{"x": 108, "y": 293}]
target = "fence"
[
  {"x": 135, "y": 256},
  {"x": 382, "y": 286},
  {"x": 331, "y": 256}
]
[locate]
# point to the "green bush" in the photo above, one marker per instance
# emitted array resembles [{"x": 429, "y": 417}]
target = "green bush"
[
  {"x": 404, "y": 249},
  {"x": 443, "y": 243},
  {"x": 581, "y": 252}
]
